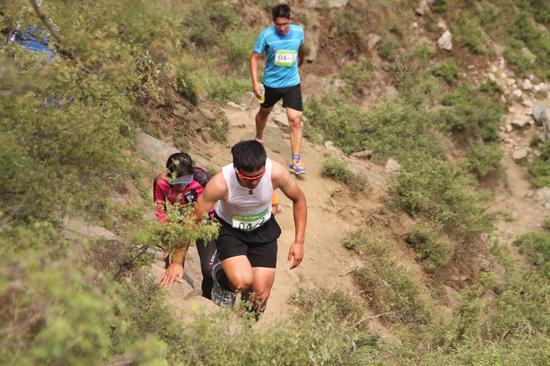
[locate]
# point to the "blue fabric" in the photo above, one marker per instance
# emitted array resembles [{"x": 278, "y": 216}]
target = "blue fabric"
[
  {"x": 285, "y": 73},
  {"x": 34, "y": 40}
]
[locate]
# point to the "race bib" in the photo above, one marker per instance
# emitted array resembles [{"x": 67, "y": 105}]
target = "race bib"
[
  {"x": 285, "y": 58},
  {"x": 250, "y": 222}
]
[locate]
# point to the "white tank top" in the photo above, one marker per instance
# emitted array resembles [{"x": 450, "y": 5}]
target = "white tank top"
[{"x": 246, "y": 209}]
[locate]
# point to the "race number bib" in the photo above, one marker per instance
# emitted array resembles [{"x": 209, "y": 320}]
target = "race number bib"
[
  {"x": 285, "y": 58},
  {"x": 250, "y": 222}
]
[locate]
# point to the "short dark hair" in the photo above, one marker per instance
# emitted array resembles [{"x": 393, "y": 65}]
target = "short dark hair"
[
  {"x": 179, "y": 164},
  {"x": 280, "y": 11},
  {"x": 248, "y": 155}
]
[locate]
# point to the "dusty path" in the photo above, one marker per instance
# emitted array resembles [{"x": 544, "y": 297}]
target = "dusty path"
[{"x": 327, "y": 264}]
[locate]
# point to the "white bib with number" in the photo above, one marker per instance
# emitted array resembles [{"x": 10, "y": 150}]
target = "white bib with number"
[
  {"x": 285, "y": 58},
  {"x": 250, "y": 222}
]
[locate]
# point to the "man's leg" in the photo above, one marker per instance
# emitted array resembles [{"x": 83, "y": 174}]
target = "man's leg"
[
  {"x": 261, "y": 120},
  {"x": 296, "y": 134},
  {"x": 261, "y": 287},
  {"x": 239, "y": 272}
]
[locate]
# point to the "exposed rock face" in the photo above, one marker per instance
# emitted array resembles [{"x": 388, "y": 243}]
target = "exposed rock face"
[
  {"x": 366, "y": 154},
  {"x": 542, "y": 195},
  {"x": 445, "y": 42},
  {"x": 373, "y": 40},
  {"x": 315, "y": 4},
  {"x": 154, "y": 149},
  {"x": 520, "y": 154},
  {"x": 392, "y": 167},
  {"x": 423, "y": 7}
]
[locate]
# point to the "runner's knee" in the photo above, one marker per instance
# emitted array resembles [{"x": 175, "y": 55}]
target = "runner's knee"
[
  {"x": 242, "y": 281},
  {"x": 295, "y": 122}
]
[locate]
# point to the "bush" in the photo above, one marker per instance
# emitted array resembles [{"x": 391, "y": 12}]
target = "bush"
[
  {"x": 470, "y": 113},
  {"x": 338, "y": 170},
  {"x": 539, "y": 171},
  {"x": 225, "y": 89},
  {"x": 468, "y": 33},
  {"x": 484, "y": 159},
  {"x": 447, "y": 70},
  {"x": 390, "y": 289},
  {"x": 536, "y": 246},
  {"x": 432, "y": 246}
]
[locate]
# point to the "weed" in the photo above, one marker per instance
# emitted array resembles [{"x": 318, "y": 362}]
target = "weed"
[{"x": 338, "y": 170}]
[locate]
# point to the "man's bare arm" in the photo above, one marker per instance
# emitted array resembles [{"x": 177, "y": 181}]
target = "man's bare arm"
[
  {"x": 254, "y": 57},
  {"x": 215, "y": 190},
  {"x": 282, "y": 179}
]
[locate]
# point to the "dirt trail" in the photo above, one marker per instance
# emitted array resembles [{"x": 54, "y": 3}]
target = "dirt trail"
[
  {"x": 327, "y": 264},
  {"x": 515, "y": 196}
]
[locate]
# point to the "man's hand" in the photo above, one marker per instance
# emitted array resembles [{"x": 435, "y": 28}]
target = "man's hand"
[
  {"x": 295, "y": 254},
  {"x": 256, "y": 90},
  {"x": 173, "y": 272}
]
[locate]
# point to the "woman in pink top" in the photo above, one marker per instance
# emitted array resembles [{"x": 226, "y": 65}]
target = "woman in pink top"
[{"x": 184, "y": 184}]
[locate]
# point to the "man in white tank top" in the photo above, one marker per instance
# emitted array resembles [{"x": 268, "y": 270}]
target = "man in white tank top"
[{"x": 247, "y": 243}]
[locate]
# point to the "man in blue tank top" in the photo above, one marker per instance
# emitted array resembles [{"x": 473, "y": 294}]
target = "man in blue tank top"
[{"x": 283, "y": 46}]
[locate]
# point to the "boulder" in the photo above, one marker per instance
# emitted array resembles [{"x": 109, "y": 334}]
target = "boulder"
[
  {"x": 154, "y": 149},
  {"x": 445, "y": 42},
  {"x": 392, "y": 167},
  {"x": 520, "y": 153},
  {"x": 373, "y": 40},
  {"x": 542, "y": 196},
  {"x": 365, "y": 154},
  {"x": 207, "y": 113},
  {"x": 333, "y": 4},
  {"x": 453, "y": 297},
  {"x": 520, "y": 122},
  {"x": 541, "y": 114},
  {"x": 423, "y": 7}
]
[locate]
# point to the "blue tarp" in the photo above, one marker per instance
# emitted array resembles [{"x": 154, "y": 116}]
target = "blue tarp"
[{"x": 34, "y": 40}]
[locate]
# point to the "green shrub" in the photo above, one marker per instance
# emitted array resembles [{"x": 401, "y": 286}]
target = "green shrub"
[
  {"x": 338, "y": 170},
  {"x": 447, "y": 70},
  {"x": 390, "y": 289},
  {"x": 470, "y": 113},
  {"x": 484, "y": 159},
  {"x": 536, "y": 246},
  {"x": 433, "y": 190},
  {"x": 355, "y": 241},
  {"x": 539, "y": 171},
  {"x": 355, "y": 73},
  {"x": 431, "y": 244},
  {"x": 225, "y": 89},
  {"x": 237, "y": 45},
  {"x": 468, "y": 33}
]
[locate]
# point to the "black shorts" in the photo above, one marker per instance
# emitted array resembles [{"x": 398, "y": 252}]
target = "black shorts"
[
  {"x": 259, "y": 246},
  {"x": 292, "y": 97}
]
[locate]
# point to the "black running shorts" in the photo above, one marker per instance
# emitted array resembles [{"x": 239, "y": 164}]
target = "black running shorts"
[
  {"x": 292, "y": 97},
  {"x": 259, "y": 246}
]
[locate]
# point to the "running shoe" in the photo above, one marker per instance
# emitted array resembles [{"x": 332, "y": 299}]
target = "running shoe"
[{"x": 220, "y": 295}]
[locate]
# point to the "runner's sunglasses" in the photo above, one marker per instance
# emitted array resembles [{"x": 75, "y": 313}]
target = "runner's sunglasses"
[{"x": 250, "y": 177}]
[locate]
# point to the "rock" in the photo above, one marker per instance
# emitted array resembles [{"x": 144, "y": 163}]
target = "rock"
[
  {"x": 329, "y": 144},
  {"x": 526, "y": 52},
  {"x": 542, "y": 196},
  {"x": 365, "y": 154},
  {"x": 154, "y": 149},
  {"x": 249, "y": 101},
  {"x": 391, "y": 93},
  {"x": 392, "y": 167},
  {"x": 180, "y": 111},
  {"x": 541, "y": 114},
  {"x": 527, "y": 85},
  {"x": 423, "y": 7},
  {"x": 520, "y": 153},
  {"x": 453, "y": 297},
  {"x": 280, "y": 120},
  {"x": 442, "y": 25},
  {"x": 499, "y": 270},
  {"x": 517, "y": 93},
  {"x": 76, "y": 228},
  {"x": 528, "y": 103},
  {"x": 414, "y": 25},
  {"x": 445, "y": 42},
  {"x": 207, "y": 113},
  {"x": 529, "y": 194},
  {"x": 508, "y": 128},
  {"x": 373, "y": 40},
  {"x": 234, "y": 105},
  {"x": 520, "y": 122},
  {"x": 316, "y": 4}
]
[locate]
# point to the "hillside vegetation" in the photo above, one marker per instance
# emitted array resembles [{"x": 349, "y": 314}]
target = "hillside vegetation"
[{"x": 68, "y": 149}]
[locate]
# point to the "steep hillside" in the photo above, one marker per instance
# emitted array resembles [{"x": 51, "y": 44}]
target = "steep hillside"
[{"x": 428, "y": 151}]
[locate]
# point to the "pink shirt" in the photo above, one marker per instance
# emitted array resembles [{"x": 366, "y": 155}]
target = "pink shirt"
[{"x": 162, "y": 192}]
